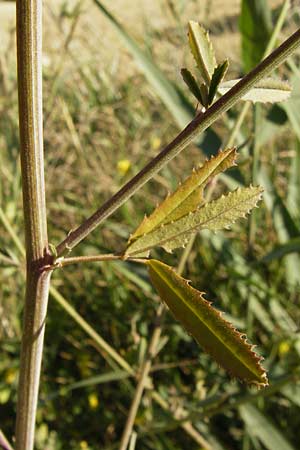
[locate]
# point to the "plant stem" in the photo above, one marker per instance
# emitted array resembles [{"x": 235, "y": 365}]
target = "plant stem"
[
  {"x": 29, "y": 53},
  {"x": 199, "y": 124}
]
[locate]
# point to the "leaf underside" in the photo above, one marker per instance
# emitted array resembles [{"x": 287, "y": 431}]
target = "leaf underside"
[
  {"x": 202, "y": 50},
  {"x": 218, "y": 214},
  {"x": 188, "y": 196},
  {"x": 267, "y": 90},
  {"x": 213, "y": 333}
]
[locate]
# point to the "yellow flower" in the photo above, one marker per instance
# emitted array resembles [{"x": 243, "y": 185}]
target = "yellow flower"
[
  {"x": 123, "y": 166},
  {"x": 155, "y": 143},
  {"x": 84, "y": 445},
  {"x": 10, "y": 375},
  {"x": 284, "y": 347},
  {"x": 93, "y": 400}
]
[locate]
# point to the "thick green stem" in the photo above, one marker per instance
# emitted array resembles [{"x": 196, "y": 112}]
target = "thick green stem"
[
  {"x": 201, "y": 122},
  {"x": 29, "y": 52}
]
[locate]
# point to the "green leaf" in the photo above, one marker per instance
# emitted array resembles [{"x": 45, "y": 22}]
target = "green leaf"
[
  {"x": 291, "y": 246},
  {"x": 215, "y": 215},
  {"x": 284, "y": 225},
  {"x": 202, "y": 51},
  {"x": 267, "y": 90},
  {"x": 206, "y": 324},
  {"x": 189, "y": 195},
  {"x": 255, "y": 26},
  {"x": 192, "y": 84},
  {"x": 292, "y": 106},
  {"x": 261, "y": 427},
  {"x": 217, "y": 78}
]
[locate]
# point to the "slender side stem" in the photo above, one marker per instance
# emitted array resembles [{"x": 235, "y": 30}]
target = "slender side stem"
[
  {"x": 200, "y": 123},
  {"x": 29, "y": 53},
  {"x": 62, "y": 262},
  {"x": 4, "y": 444}
]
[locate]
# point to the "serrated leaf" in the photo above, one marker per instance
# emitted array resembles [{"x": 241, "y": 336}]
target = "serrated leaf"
[
  {"x": 218, "y": 214},
  {"x": 206, "y": 324},
  {"x": 188, "y": 196},
  {"x": 268, "y": 90},
  {"x": 192, "y": 84},
  {"x": 217, "y": 78},
  {"x": 202, "y": 50}
]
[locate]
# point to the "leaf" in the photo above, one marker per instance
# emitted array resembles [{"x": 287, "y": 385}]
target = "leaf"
[
  {"x": 189, "y": 195},
  {"x": 293, "y": 105},
  {"x": 267, "y": 90},
  {"x": 255, "y": 26},
  {"x": 202, "y": 50},
  {"x": 192, "y": 84},
  {"x": 217, "y": 78},
  {"x": 260, "y": 426},
  {"x": 291, "y": 246},
  {"x": 285, "y": 226},
  {"x": 206, "y": 324},
  {"x": 218, "y": 214}
]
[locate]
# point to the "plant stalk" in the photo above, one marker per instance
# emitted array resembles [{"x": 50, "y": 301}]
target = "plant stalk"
[
  {"x": 29, "y": 56},
  {"x": 199, "y": 124}
]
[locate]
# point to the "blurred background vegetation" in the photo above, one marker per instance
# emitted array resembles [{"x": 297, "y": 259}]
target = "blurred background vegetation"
[{"x": 110, "y": 103}]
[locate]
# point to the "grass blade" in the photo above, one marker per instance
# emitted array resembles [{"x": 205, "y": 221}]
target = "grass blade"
[{"x": 259, "y": 426}]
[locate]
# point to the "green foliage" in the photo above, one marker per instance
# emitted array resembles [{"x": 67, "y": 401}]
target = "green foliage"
[
  {"x": 206, "y": 325},
  {"x": 189, "y": 196},
  {"x": 217, "y": 77},
  {"x": 202, "y": 51},
  {"x": 255, "y": 27},
  {"x": 218, "y": 214},
  {"x": 268, "y": 90}
]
